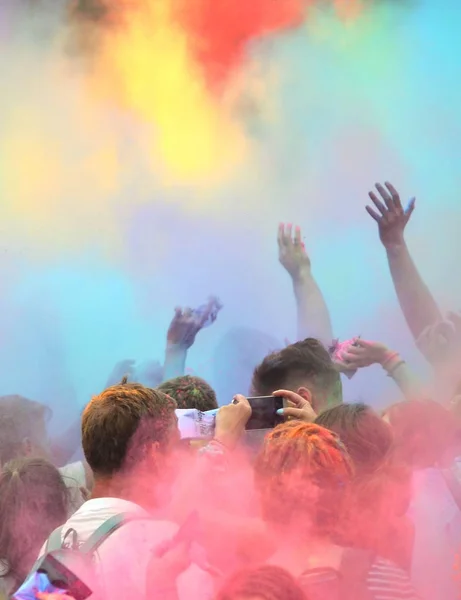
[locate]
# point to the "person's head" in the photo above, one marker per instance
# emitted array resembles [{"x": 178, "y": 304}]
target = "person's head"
[
  {"x": 23, "y": 428},
  {"x": 425, "y": 432},
  {"x": 33, "y": 502},
  {"x": 302, "y": 473},
  {"x": 367, "y": 437},
  {"x": 190, "y": 392},
  {"x": 304, "y": 367},
  {"x": 126, "y": 429},
  {"x": 262, "y": 583}
]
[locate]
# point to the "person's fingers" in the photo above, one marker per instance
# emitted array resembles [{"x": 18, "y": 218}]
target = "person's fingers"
[
  {"x": 187, "y": 312},
  {"x": 377, "y": 202},
  {"x": 289, "y": 235},
  {"x": 374, "y": 215},
  {"x": 240, "y": 399},
  {"x": 281, "y": 236},
  {"x": 410, "y": 207},
  {"x": 297, "y": 239},
  {"x": 385, "y": 196},
  {"x": 353, "y": 351},
  {"x": 395, "y": 196},
  {"x": 297, "y": 400},
  {"x": 206, "y": 313},
  {"x": 359, "y": 343},
  {"x": 298, "y": 413}
]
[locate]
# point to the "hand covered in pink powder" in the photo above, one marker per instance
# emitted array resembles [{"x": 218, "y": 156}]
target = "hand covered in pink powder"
[
  {"x": 292, "y": 251},
  {"x": 363, "y": 354}
]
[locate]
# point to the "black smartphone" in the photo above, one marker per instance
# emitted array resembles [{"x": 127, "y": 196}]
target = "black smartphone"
[{"x": 264, "y": 412}]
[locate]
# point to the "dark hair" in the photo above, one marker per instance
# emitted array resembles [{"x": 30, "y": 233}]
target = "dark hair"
[
  {"x": 367, "y": 437},
  {"x": 33, "y": 502},
  {"x": 20, "y": 419},
  {"x": 423, "y": 430},
  {"x": 120, "y": 424},
  {"x": 303, "y": 471},
  {"x": 303, "y": 363},
  {"x": 190, "y": 392},
  {"x": 266, "y": 582}
]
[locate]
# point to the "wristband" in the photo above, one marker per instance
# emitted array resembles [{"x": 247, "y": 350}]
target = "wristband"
[
  {"x": 392, "y": 369},
  {"x": 390, "y": 356}
]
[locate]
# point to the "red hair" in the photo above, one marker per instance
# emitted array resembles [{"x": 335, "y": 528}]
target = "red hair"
[{"x": 303, "y": 470}]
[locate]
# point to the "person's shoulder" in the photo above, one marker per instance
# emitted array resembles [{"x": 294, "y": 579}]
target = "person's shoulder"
[
  {"x": 385, "y": 578},
  {"x": 143, "y": 532}
]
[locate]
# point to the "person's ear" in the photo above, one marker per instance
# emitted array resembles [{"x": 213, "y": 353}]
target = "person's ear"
[{"x": 306, "y": 394}]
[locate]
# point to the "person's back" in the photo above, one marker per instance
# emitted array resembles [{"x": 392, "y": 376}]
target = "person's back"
[
  {"x": 33, "y": 502},
  {"x": 129, "y": 433}
]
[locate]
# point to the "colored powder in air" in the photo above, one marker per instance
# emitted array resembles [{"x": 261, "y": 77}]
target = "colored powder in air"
[
  {"x": 220, "y": 31},
  {"x": 145, "y": 66}
]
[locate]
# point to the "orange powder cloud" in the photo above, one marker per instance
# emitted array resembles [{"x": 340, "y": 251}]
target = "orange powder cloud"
[{"x": 145, "y": 66}]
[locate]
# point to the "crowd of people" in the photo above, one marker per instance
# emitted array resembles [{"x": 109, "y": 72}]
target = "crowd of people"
[{"x": 337, "y": 502}]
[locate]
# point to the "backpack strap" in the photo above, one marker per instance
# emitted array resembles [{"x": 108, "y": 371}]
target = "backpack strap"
[
  {"x": 106, "y": 529},
  {"x": 54, "y": 542},
  {"x": 354, "y": 569}
]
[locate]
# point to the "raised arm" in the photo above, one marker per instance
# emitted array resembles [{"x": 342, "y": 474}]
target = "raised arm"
[
  {"x": 416, "y": 301},
  {"x": 181, "y": 335},
  {"x": 313, "y": 318},
  {"x": 364, "y": 354}
]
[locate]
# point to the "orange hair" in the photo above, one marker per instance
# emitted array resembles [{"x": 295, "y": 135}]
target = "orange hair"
[{"x": 303, "y": 471}]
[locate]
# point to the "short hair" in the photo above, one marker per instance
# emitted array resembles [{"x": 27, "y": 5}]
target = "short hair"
[
  {"x": 120, "y": 425},
  {"x": 34, "y": 501},
  {"x": 267, "y": 582},
  {"x": 307, "y": 362},
  {"x": 423, "y": 432},
  {"x": 190, "y": 392},
  {"x": 303, "y": 472},
  {"x": 367, "y": 437},
  {"x": 20, "y": 418}
]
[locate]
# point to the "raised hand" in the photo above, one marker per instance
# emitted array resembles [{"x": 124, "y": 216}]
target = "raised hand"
[
  {"x": 187, "y": 323},
  {"x": 363, "y": 354},
  {"x": 150, "y": 373},
  {"x": 391, "y": 217},
  {"x": 124, "y": 368},
  {"x": 292, "y": 251}
]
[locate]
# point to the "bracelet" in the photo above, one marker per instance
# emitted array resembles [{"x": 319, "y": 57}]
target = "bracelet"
[
  {"x": 389, "y": 358},
  {"x": 392, "y": 370}
]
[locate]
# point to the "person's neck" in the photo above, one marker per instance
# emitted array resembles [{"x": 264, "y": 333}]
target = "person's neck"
[
  {"x": 298, "y": 553},
  {"x": 137, "y": 489},
  {"x": 113, "y": 487}
]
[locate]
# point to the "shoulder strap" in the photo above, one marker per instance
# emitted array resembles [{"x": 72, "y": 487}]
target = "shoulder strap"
[
  {"x": 107, "y": 528},
  {"x": 354, "y": 569},
  {"x": 54, "y": 542}
]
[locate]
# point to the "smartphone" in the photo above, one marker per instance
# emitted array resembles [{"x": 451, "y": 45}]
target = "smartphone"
[{"x": 264, "y": 412}]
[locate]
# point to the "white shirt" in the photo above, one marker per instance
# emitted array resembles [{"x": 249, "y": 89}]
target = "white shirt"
[
  {"x": 437, "y": 521},
  {"x": 122, "y": 560}
]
